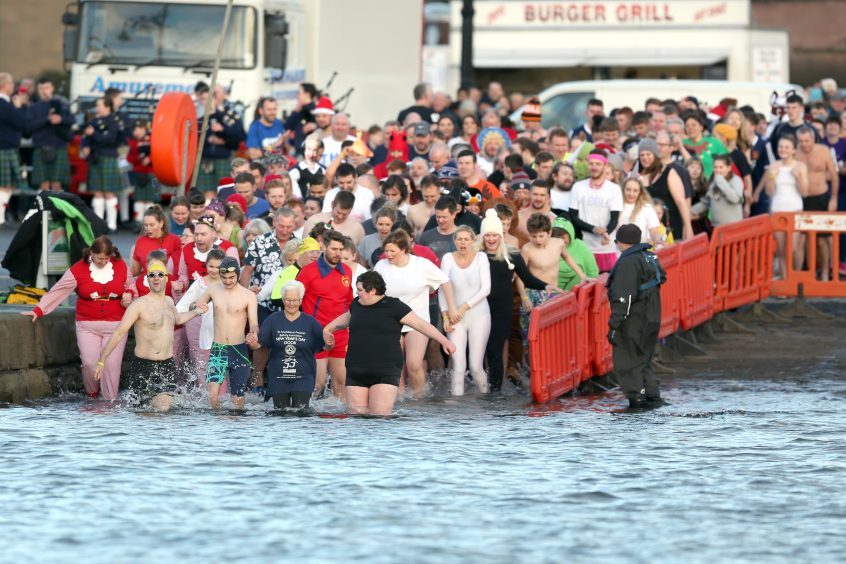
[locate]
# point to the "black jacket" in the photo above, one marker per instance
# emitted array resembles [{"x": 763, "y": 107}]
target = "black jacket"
[{"x": 634, "y": 292}]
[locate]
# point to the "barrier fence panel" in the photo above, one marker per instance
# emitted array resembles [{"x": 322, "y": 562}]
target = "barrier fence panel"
[
  {"x": 672, "y": 292},
  {"x": 601, "y": 355},
  {"x": 697, "y": 301},
  {"x": 742, "y": 262},
  {"x": 553, "y": 348},
  {"x": 808, "y": 228},
  {"x": 584, "y": 300}
]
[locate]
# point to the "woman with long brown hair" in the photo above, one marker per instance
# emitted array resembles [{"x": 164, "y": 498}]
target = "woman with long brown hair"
[
  {"x": 101, "y": 280},
  {"x": 155, "y": 235}
]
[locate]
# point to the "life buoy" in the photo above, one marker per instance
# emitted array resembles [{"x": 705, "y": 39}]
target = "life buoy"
[{"x": 167, "y": 139}]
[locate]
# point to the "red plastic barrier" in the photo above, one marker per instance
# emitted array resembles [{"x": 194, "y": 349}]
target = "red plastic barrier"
[
  {"x": 602, "y": 355},
  {"x": 584, "y": 300},
  {"x": 697, "y": 301},
  {"x": 742, "y": 259},
  {"x": 672, "y": 291},
  {"x": 553, "y": 348}
]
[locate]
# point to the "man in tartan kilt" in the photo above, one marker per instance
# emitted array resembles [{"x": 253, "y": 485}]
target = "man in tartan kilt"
[
  {"x": 103, "y": 136},
  {"x": 226, "y": 131},
  {"x": 49, "y": 121},
  {"x": 12, "y": 125}
]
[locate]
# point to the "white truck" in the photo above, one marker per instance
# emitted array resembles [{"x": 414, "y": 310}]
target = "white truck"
[{"x": 148, "y": 47}]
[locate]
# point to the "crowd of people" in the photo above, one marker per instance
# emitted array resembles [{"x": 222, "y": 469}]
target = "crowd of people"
[{"x": 363, "y": 261}]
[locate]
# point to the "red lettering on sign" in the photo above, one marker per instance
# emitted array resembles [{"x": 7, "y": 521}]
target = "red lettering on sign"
[
  {"x": 600, "y": 13},
  {"x": 495, "y": 15},
  {"x": 529, "y": 13}
]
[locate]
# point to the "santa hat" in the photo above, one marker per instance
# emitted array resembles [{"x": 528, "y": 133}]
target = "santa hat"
[
  {"x": 225, "y": 182},
  {"x": 324, "y": 106},
  {"x": 238, "y": 200},
  {"x": 270, "y": 177},
  {"x": 717, "y": 113},
  {"x": 532, "y": 110}
]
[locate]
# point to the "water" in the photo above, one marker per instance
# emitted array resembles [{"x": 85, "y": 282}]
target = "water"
[{"x": 730, "y": 471}]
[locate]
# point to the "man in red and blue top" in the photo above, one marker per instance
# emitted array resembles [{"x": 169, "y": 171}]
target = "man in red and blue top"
[{"x": 328, "y": 294}]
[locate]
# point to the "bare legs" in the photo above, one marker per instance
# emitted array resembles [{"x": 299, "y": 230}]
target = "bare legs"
[{"x": 376, "y": 400}]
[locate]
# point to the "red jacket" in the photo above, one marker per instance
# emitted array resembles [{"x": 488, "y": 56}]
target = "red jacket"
[
  {"x": 328, "y": 290},
  {"x": 195, "y": 265},
  {"x": 135, "y": 159},
  {"x": 97, "y": 301}
]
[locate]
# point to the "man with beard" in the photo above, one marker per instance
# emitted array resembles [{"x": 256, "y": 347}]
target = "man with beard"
[
  {"x": 422, "y": 141},
  {"x": 539, "y": 202},
  {"x": 563, "y": 178}
]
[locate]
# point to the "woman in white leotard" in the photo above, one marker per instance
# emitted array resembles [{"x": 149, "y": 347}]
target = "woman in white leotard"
[
  {"x": 787, "y": 184},
  {"x": 470, "y": 274}
]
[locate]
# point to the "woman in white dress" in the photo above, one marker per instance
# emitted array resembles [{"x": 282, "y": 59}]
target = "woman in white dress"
[
  {"x": 410, "y": 278},
  {"x": 787, "y": 184},
  {"x": 639, "y": 210}
]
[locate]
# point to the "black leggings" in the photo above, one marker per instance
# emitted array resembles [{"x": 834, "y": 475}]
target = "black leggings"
[
  {"x": 500, "y": 328},
  {"x": 296, "y": 400}
]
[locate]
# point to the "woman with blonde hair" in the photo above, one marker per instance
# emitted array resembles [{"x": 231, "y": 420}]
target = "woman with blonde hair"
[{"x": 639, "y": 210}]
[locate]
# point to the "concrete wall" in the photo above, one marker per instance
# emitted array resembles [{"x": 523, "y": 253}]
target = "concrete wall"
[{"x": 37, "y": 359}]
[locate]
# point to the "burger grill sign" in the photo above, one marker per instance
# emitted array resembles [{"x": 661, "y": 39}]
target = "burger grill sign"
[{"x": 609, "y": 13}]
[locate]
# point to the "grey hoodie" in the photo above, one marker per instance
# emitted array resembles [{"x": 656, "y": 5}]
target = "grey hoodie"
[{"x": 725, "y": 200}]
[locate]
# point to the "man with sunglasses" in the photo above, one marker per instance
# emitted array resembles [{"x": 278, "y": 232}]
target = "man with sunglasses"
[
  {"x": 152, "y": 372},
  {"x": 235, "y": 308}
]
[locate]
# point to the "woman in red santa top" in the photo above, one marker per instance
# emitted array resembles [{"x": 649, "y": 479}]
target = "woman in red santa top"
[
  {"x": 155, "y": 236},
  {"x": 102, "y": 282}
]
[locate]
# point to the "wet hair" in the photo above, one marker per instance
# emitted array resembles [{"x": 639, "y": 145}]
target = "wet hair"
[
  {"x": 101, "y": 245},
  {"x": 538, "y": 222},
  {"x": 158, "y": 213},
  {"x": 372, "y": 280},
  {"x": 215, "y": 254},
  {"x": 332, "y": 235},
  {"x": 400, "y": 238}
]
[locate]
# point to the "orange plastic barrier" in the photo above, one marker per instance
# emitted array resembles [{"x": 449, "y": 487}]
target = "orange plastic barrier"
[
  {"x": 697, "y": 300},
  {"x": 812, "y": 225},
  {"x": 173, "y": 139},
  {"x": 742, "y": 258},
  {"x": 601, "y": 352},
  {"x": 554, "y": 369},
  {"x": 672, "y": 291}
]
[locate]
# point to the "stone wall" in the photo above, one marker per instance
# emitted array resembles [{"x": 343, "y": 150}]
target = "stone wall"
[{"x": 37, "y": 359}]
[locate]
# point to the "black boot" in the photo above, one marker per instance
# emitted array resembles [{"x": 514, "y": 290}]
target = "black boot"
[
  {"x": 638, "y": 401},
  {"x": 655, "y": 401}
]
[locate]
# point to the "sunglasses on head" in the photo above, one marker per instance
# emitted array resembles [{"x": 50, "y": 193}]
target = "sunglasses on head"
[
  {"x": 156, "y": 275},
  {"x": 228, "y": 269}
]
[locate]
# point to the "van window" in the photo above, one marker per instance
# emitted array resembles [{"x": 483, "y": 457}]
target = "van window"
[{"x": 565, "y": 110}]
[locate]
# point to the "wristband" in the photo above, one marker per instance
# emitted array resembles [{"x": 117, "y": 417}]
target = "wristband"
[{"x": 101, "y": 363}]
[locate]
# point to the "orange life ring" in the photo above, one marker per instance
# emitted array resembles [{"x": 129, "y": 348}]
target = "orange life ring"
[{"x": 167, "y": 138}]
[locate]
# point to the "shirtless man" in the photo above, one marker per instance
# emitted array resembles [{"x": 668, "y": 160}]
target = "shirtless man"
[
  {"x": 234, "y": 308},
  {"x": 540, "y": 202},
  {"x": 821, "y": 171},
  {"x": 339, "y": 218},
  {"x": 419, "y": 213},
  {"x": 152, "y": 370},
  {"x": 541, "y": 254}
]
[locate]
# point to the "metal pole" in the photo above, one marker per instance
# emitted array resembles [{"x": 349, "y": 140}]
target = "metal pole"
[
  {"x": 205, "y": 127},
  {"x": 186, "y": 132},
  {"x": 467, "y": 11}
]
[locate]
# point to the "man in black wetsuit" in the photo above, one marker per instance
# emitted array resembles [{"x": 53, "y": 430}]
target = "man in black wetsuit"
[{"x": 635, "y": 299}]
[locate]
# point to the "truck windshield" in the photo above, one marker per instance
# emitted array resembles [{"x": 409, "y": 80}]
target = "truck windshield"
[{"x": 165, "y": 34}]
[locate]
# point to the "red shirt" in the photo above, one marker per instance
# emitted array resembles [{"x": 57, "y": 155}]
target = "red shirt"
[
  {"x": 170, "y": 244},
  {"x": 134, "y": 158},
  {"x": 97, "y": 301},
  {"x": 328, "y": 290},
  {"x": 193, "y": 264},
  {"x": 421, "y": 251}
]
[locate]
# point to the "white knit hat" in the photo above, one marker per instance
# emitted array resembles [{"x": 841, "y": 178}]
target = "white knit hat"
[{"x": 491, "y": 223}]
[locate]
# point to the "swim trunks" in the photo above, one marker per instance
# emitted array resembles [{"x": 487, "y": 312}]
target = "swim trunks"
[
  {"x": 367, "y": 378},
  {"x": 342, "y": 339},
  {"x": 149, "y": 378},
  {"x": 231, "y": 358},
  {"x": 816, "y": 203}
]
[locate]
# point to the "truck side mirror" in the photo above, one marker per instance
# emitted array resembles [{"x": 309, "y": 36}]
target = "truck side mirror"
[
  {"x": 70, "y": 42},
  {"x": 276, "y": 41},
  {"x": 70, "y": 19}
]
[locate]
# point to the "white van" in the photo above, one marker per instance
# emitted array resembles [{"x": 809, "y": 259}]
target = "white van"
[{"x": 564, "y": 104}]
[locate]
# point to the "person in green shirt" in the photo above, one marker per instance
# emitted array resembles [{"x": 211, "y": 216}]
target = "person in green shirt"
[
  {"x": 700, "y": 143},
  {"x": 578, "y": 250}
]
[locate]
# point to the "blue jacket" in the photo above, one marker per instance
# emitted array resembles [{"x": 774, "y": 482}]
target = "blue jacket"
[
  {"x": 12, "y": 125},
  {"x": 44, "y": 133},
  {"x": 232, "y": 134}
]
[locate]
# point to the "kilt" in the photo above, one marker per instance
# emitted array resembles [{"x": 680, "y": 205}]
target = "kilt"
[
  {"x": 104, "y": 176},
  {"x": 208, "y": 181},
  {"x": 10, "y": 168},
  {"x": 146, "y": 187},
  {"x": 57, "y": 171}
]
